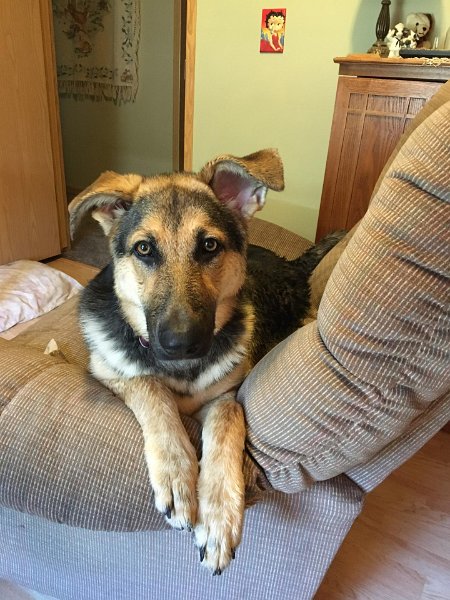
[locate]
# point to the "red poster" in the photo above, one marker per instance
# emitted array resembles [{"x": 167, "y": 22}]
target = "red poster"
[{"x": 273, "y": 24}]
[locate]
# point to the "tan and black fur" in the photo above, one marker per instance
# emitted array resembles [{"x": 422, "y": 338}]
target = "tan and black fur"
[{"x": 179, "y": 317}]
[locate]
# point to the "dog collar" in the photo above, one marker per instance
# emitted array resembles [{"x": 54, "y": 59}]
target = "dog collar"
[{"x": 143, "y": 342}]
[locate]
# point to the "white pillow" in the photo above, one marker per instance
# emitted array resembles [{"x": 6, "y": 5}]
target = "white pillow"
[{"x": 29, "y": 289}]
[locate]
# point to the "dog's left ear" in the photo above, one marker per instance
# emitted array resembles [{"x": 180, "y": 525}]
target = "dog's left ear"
[{"x": 242, "y": 183}]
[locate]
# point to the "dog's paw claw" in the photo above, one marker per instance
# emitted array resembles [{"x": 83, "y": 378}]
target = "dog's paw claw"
[
  {"x": 202, "y": 552},
  {"x": 174, "y": 488},
  {"x": 179, "y": 522},
  {"x": 216, "y": 546},
  {"x": 220, "y": 520},
  {"x": 185, "y": 527}
]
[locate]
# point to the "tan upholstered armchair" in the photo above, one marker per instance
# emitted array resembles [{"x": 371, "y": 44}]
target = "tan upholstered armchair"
[{"x": 331, "y": 411}]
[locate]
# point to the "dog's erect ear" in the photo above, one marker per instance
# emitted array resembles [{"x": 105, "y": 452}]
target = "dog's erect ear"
[
  {"x": 242, "y": 183},
  {"x": 108, "y": 198}
]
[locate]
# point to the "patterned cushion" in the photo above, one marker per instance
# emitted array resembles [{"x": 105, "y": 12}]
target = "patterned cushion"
[{"x": 322, "y": 272}]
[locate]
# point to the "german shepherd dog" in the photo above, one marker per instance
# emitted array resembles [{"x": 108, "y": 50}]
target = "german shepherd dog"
[{"x": 179, "y": 317}]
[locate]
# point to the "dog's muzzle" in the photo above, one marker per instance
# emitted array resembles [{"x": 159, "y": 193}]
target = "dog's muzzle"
[{"x": 182, "y": 337}]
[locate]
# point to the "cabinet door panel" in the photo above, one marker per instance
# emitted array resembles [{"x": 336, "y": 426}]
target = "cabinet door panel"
[
  {"x": 29, "y": 226},
  {"x": 378, "y": 139},
  {"x": 370, "y": 116}
]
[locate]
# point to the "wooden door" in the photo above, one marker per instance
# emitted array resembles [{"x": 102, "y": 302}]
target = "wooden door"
[
  {"x": 370, "y": 115},
  {"x": 32, "y": 197},
  {"x": 185, "y": 12}
]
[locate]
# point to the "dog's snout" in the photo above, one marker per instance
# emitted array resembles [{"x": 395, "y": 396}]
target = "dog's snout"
[{"x": 181, "y": 336}]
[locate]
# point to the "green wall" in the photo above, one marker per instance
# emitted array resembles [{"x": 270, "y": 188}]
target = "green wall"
[
  {"x": 245, "y": 100},
  {"x": 134, "y": 137}
]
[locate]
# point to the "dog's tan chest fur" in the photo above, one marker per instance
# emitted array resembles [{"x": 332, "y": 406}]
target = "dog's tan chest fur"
[
  {"x": 189, "y": 396},
  {"x": 189, "y": 404}
]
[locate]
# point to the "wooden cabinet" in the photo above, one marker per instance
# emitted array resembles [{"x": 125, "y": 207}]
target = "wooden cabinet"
[
  {"x": 375, "y": 100},
  {"x": 33, "y": 211}
]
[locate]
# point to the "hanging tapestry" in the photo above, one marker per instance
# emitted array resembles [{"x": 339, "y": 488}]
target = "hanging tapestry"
[{"x": 97, "y": 48}]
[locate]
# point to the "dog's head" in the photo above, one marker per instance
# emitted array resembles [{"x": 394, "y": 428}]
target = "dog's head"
[{"x": 178, "y": 244}]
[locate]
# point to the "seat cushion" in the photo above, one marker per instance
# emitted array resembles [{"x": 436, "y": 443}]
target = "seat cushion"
[{"x": 288, "y": 544}]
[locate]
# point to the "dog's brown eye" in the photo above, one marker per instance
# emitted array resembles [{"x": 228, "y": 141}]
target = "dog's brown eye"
[
  {"x": 210, "y": 244},
  {"x": 143, "y": 248}
]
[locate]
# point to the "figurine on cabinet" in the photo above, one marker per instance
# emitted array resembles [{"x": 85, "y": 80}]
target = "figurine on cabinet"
[{"x": 400, "y": 37}]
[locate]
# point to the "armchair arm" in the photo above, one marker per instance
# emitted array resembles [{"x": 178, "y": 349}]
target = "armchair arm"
[{"x": 342, "y": 388}]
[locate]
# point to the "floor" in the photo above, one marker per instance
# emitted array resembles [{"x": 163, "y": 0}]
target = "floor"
[{"x": 398, "y": 549}]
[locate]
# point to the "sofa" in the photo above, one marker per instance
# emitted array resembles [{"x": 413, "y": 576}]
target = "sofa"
[{"x": 330, "y": 413}]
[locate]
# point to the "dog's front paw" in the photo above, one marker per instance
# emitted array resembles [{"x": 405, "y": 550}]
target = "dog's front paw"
[
  {"x": 173, "y": 476},
  {"x": 221, "y": 514}
]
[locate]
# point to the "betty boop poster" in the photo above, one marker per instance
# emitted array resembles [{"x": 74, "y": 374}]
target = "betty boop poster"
[{"x": 273, "y": 25}]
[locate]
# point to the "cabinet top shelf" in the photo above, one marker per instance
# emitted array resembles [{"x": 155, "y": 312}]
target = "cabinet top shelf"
[{"x": 372, "y": 65}]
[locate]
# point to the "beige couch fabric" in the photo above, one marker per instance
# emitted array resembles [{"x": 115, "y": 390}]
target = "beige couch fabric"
[
  {"x": 340, "y": 390},
  {"x": 70, "y": 451}
]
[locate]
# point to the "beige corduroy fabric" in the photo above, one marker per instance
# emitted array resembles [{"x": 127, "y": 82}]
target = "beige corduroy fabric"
[
  {"x": 281, "y": 241},
  {"x": 70, "y": 450},
  {"x": 341, "y": 389},
  {"x": 288, "y": 543}
]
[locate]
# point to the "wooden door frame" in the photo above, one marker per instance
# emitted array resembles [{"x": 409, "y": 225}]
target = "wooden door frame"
[
  {"x": 48, "y": 37},
  {"x": 185, "y": 19}
]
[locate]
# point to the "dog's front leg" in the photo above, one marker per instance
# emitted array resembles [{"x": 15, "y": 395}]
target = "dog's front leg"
[
  {"x": 221, "y": 488},
  {"x": 171, "y": 458}
]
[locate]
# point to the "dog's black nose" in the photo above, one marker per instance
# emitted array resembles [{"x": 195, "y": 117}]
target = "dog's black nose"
[{"x": 181, "y": 337}]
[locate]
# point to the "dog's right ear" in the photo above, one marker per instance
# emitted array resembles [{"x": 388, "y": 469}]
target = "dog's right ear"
[{"x": 108, "y": 198}]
